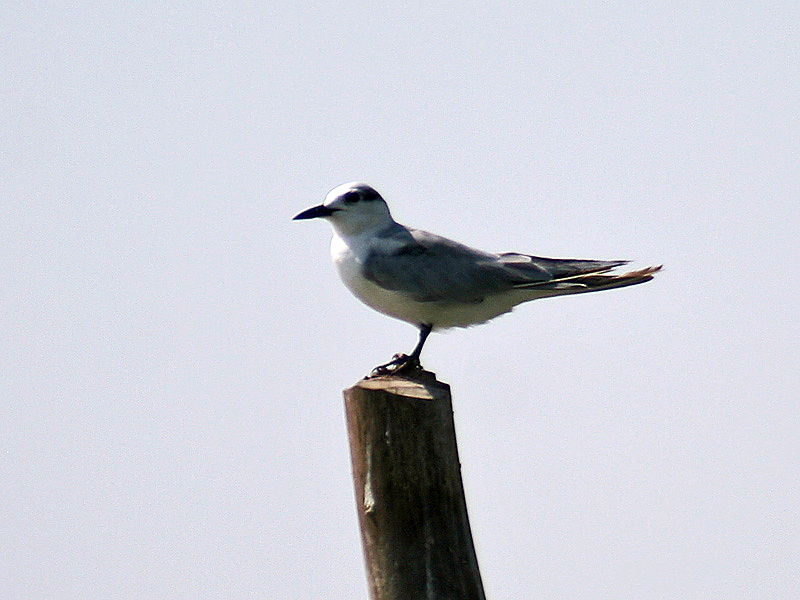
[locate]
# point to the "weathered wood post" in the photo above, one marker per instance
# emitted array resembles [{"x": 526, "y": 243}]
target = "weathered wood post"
[{"x": 409, "y": 495}]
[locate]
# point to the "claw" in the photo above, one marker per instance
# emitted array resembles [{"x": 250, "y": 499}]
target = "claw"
[
  {"x": 404, "y": 362},
  {"x": 399, "y": 363}
]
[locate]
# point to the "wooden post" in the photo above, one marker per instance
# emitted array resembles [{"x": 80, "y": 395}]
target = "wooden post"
[{"x": 410, "y": 498}]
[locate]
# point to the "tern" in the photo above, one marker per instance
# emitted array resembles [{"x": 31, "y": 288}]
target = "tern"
[{"x": 435, "y": 283}]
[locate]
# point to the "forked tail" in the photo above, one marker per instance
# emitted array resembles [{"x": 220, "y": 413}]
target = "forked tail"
[{"x": 594, "y": 282}]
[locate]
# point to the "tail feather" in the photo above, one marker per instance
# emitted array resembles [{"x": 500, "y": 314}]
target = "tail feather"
[{"x": 594, "y": 282}]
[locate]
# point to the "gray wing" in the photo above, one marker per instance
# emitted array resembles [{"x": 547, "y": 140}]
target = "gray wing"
[
  {"x": 537, "y": 271},
  {"x": 431, "y": 268}
]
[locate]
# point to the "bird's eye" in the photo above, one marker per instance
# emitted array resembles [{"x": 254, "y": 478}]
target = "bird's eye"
[{"x": 351, "y": 197}]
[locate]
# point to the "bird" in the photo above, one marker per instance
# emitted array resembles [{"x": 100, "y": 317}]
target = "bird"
[{"x": 435, "y": 283}]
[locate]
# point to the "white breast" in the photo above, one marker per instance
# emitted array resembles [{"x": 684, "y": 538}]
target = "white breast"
[{"x": 348, "y": 264}]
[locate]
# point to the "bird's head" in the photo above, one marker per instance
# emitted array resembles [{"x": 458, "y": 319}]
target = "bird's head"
[{"x": 351, "y": 208}]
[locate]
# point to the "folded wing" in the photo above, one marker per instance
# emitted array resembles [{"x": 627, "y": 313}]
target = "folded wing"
[{"x": 430, "y": 268}]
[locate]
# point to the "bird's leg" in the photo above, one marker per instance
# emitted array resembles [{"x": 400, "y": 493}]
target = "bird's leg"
[
  {"x": 424, "y": 331},
  {"x": 404, "y": 362}
]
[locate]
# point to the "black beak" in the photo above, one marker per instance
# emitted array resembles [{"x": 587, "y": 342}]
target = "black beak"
[{"x": 315, "y": 212}]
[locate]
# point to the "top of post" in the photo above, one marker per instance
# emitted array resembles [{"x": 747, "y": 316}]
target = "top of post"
[{"x": 419, "y": 384}]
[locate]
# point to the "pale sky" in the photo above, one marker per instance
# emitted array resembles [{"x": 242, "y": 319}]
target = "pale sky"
[{"x": 174, "y": 347}]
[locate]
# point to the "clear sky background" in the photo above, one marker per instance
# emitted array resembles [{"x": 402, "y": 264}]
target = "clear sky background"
[{"x": 173, "y": 346}]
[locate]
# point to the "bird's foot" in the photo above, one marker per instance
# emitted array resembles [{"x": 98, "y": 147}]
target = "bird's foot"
[{"x": 400, "y": 363}]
